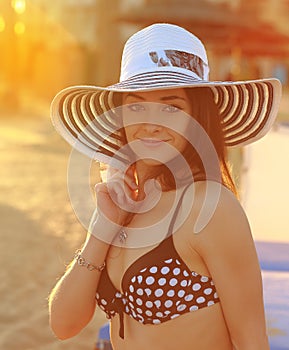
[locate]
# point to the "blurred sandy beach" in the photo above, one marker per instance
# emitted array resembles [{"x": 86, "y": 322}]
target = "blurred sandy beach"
[{"x": 39, "y": 231}]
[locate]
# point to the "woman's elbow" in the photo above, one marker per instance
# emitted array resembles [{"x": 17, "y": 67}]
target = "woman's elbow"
[
  {"x": 63, "y": 330},
  {"x": 66, "y": 325},
  {"x": 67, "y": 319},
  {"x": 252, "y": 342}
]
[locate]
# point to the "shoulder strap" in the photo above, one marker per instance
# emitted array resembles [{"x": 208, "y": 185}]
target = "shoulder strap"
[{"x": 176, "y": 212}]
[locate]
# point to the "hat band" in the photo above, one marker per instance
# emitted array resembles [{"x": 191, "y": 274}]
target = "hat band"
[{"x": 163, "y": 59}]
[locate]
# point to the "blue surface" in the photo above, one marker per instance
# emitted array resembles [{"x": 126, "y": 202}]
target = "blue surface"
[
  {"x": 276, "y": 297},
  {"x": 274, "y": 261},
  {"x": 273, "y": 256},
  {"x": 103, "y": 332}
]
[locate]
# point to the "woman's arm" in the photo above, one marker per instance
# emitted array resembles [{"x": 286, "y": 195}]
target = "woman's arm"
[
  {"x": 227, "y": 247},
  {"x": 72, "y": 301}
]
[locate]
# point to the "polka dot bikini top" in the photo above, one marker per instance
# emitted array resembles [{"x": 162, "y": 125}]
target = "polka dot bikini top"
[{"x": 157, "y": 287}]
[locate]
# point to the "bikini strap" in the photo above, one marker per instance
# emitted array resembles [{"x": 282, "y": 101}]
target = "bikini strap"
[{"x": 176, "y": 212}]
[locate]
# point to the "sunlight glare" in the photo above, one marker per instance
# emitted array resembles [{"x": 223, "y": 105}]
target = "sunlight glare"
[
  {"x": 19, "y": 6},
  {"x": 2, "y": 24},
  {"x": 19, "y": 28}
]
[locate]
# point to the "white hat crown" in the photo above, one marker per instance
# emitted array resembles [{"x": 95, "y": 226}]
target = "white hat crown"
[{"x": 165, "y": 47}]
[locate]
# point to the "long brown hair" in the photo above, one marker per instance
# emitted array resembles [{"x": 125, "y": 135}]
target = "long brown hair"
[{"x": 206, "y": 113}]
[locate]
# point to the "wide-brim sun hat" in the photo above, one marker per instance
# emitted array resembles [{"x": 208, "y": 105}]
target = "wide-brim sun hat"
[{"x": 162, "y": 56}]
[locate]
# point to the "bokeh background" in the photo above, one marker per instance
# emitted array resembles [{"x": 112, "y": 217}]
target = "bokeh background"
[{"x": 46, "y": 46}]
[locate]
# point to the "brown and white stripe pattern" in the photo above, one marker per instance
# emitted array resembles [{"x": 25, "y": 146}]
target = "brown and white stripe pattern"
[{"x": 85, "y": 118}]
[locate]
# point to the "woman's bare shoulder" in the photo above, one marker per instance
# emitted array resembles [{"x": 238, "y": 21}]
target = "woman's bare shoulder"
[{"x": 217, "y": 215}]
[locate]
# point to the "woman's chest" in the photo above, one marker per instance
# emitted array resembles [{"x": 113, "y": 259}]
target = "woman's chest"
[{"x": 159, "y": 286}]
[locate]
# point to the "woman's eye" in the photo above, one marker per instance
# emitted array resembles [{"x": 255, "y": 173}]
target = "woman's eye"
[
  {"x": 135, "y": 107},
  {"x": 171, "y": 109}
]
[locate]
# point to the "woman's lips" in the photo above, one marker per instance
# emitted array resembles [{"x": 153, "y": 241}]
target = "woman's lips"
[{"x": 150, "y": 142}]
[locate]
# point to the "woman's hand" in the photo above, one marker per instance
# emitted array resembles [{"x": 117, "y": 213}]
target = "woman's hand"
[{"x": 116, "y": 198}]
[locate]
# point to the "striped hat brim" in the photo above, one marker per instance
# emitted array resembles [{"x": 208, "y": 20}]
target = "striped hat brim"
[{"x": 84, "y": 115}]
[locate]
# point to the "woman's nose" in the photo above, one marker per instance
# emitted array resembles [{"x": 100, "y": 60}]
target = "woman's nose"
[
  {"x": 151, "y": 128},
  {"x": 152, "y": 121}
]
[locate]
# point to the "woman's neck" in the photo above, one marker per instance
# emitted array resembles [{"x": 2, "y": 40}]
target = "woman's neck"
[
  {"x": 163, "y": 180},
  {"x": 145, "y": 179}
]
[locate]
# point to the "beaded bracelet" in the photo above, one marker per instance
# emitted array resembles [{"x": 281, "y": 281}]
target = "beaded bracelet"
[{"x": 82, "y": 262}]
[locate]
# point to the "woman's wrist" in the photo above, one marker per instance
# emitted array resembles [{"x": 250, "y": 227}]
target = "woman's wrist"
[
  {"x": 92, "y": 255},
  {"x": 103, "y": 229},
  {"x": 81, "y": 261}
]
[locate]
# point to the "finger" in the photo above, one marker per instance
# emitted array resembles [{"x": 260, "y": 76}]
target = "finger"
[
  {"x": 116, "y": 190},
  {"x": 97, "y": 187},
  {"x": 100, "y": 187},
  {"x": 111, "y": 172},
  {"x": 131, "y": 174},
  {"x": 121, "y": 195},
  {"x": 125, "y": 178},
  {"x": 128, "y": 176},
  {"x": 130, "y": 182}
]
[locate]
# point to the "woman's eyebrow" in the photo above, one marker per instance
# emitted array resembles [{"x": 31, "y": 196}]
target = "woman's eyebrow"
[
  {"x": 169, "y": 98},
  {"x": 165, "y": 98},
  {"x": 131, "y": 94}
]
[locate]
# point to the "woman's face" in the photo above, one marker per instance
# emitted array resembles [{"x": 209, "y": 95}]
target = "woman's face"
[{"x": 156, "y": 123}]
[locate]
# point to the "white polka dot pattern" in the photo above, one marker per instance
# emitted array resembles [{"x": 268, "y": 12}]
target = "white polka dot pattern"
[{"x": 161, "y": 292}]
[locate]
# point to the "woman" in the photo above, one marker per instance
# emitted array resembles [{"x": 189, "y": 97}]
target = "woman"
[{"x": 169, "y": 255}]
